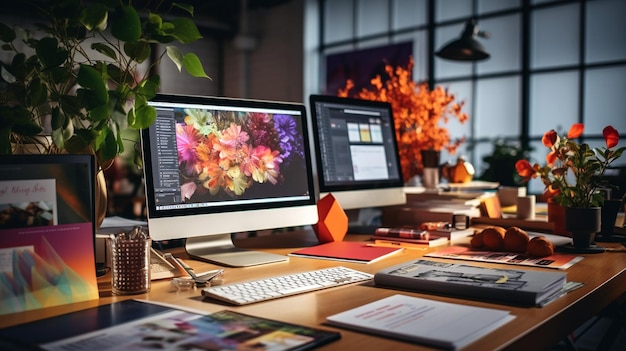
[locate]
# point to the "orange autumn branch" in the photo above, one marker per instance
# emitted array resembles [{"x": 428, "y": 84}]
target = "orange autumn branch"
[{"x": 418, "y": 114}]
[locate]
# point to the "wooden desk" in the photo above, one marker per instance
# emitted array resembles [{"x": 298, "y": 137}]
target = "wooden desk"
[{"x": 534, "y": 328}]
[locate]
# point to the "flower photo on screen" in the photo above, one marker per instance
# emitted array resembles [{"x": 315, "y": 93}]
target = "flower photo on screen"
[{"x": 228, "y": 154}]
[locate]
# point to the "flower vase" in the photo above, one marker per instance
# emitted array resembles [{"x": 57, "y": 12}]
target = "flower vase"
[
  {"x": 583, "y": 223},
  {"x": 430, "y": 175}
]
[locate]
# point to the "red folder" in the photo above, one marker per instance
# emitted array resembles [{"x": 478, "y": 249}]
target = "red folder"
[{"x": 348, "y": 251}]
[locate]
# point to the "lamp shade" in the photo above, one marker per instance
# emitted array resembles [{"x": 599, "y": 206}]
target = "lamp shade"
[{"x": 466, "y": 48}]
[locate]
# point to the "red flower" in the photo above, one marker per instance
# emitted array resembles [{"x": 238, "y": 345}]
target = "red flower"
[
  {"x": 611, "y": 136},
  {"x": 525, "y": 169},
  {"x": 549, "y": 138},
  {"x": 574, "y": 171},
  {"x": 551, "y": 158},
  {"x": 575, "y": 131}
]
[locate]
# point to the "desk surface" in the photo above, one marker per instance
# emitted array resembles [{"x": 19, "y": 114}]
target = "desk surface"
[{"x": 604, "y": 276}]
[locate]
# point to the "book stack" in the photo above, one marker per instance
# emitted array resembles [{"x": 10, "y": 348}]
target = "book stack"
[{"x": 408, "y": 237}]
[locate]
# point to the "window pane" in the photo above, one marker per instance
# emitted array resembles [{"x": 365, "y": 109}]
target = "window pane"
[
  {"x": 485, "y": 6},
  {"x": 537, "y": 155},
  {"x": 420, "y": 52},
  {"x": 604, "y": 99},
  {"x": 409, "y": 13},
  {"x": 498, "y": 108},
  {"x": 504, "y": 44},
  {"x": 605, "y": 30},
  {"x": 462, "y": 92},
  {"x": 554, "y": 25},
  {"x": 446, "y": 68},
  {"x": 338, "y": 17},
  {"x": 373, "y": 17},
  {"x": 553, "y": 103},
  {"x": 480, "y": 150},
  {"x": 452, "y": 9}
]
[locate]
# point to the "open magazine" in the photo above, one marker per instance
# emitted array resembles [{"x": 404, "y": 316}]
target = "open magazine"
[{"x": 137, "y": 325}]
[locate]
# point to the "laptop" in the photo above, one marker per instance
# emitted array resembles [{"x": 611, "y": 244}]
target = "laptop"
[{"x": 47, "y": 231}]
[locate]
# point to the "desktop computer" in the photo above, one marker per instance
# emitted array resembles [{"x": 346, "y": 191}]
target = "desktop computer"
[
  {"x": 217, "y": 166},
  {"x": 357, "y": 156}
]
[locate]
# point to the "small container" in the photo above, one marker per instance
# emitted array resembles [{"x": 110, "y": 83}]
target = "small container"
[{"x": 130, "y": 263}]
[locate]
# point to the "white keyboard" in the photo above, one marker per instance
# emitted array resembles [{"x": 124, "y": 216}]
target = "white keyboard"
[{"x": 287, "y": 285}]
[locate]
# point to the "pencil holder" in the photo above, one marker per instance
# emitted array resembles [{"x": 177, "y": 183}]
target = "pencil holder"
[{"x": 130, "y": 263}]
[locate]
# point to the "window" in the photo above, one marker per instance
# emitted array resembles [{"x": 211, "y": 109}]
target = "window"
[{"x": 552, "y": 63}]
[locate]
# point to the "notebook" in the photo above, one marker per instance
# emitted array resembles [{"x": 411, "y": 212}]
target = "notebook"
[{"x": 47, "y": 231}]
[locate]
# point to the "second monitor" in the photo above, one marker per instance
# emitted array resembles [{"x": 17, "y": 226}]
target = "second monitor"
[{"x": 357, "y": 152}]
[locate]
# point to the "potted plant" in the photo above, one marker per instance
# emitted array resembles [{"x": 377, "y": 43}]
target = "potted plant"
[
  {"x": 418, "y": 114},
  {"x": 74, "y": 84},
  {"x": 573, "y": 176},
  {"x": 77, "y": 77}
]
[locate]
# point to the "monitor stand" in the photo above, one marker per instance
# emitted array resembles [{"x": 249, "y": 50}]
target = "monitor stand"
[{"x": 219, "y": 249}]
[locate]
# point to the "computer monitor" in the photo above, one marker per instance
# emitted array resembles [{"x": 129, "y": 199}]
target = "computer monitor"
[
  {"x": 356, "y": 152},
  {"x": 218, "y": 166}
]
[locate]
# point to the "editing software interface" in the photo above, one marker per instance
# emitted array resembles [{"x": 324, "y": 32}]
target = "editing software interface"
[{"x": 356, "y": 148}]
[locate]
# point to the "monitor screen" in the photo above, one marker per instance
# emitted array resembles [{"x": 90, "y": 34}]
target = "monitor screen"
[
  {"x": 217, "y": 166},
  {"x": 357, "y": 152}
]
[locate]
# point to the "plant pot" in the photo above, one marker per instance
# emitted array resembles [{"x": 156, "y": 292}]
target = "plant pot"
[
  {"x": 556, "y": 216},
  {"x": 430, "y": 172},
  {"x": 583, "y": 223},
  {"x": 430, "y": 158}
]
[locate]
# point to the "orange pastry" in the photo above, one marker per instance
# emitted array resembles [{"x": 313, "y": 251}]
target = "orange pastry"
[
  {"x": 539, "y": 246},
  {"x": 516, "y": 240},
  {"x": 493, "y": 238},
  {"x": 477, "y": 240}
]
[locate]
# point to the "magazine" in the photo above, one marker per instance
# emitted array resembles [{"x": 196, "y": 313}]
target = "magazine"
[
  {"x": 517, "y": 286},
  {"x": 137, "y": 325},
  {"x": 557, "y": 260}
]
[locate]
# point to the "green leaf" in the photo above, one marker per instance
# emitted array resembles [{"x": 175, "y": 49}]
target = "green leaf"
[
  {"x": 21, "y": 121},
  {"x": 192, "y": 64},
  {"x": 185, "y": 30},
  {"x": 37, "y": 93},
  {"x": 144, "y": 117},
  {"x": 58, "y": 119},
  {"x": 175, "y": 55},
  {"x": 110, "y": 146},
  {"x": 150, "y": 87},
  {"x": 126, "y": 24},
  {"x": 7, "y": 34},
  {"x": 105, "y": 50},
  {"x": 49, "y": 53},
  {"x": 138, "y": 50},
  {"x": 89, "y": 78},
  {"x": 95, "y": 17}
]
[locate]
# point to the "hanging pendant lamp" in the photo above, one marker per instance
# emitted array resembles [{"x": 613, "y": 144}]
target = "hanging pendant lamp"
[{"x": 466, "y": 48}]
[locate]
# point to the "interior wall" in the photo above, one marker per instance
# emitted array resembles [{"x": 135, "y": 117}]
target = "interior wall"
[{"x": 275, "y": 65}]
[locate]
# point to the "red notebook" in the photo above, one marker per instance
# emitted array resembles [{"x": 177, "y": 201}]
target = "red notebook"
[{"x": 348, "y": 251}]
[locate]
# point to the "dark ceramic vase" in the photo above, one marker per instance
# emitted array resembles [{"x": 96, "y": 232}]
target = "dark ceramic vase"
[{"x": 583, "y": 223}]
